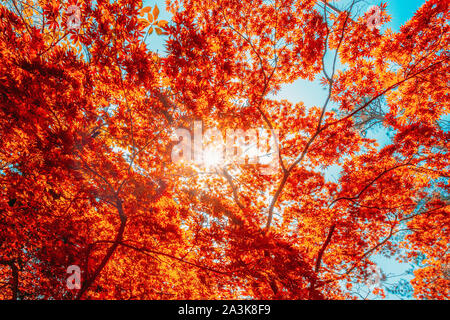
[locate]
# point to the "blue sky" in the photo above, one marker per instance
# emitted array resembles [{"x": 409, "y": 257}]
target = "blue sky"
[{"x": 311, "y": 93}]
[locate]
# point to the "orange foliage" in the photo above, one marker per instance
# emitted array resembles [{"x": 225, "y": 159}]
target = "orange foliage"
[{"x": 87, "y": 119}]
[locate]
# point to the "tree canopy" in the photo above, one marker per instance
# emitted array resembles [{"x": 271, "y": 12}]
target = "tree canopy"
[{"x": 88, "y": 117}]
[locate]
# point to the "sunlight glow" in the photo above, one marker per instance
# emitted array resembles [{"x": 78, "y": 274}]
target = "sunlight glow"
[{"x": 212, "y": 157}]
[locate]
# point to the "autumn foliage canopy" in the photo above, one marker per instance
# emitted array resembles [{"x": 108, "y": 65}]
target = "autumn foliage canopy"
[{"x": 87, "y": 120}]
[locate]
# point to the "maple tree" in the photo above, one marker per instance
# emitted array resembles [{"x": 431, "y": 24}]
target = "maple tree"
[{"x": 87, "y": 121}]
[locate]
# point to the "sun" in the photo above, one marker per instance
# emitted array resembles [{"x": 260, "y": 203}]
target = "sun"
[{"x": 212, "y": 157}]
